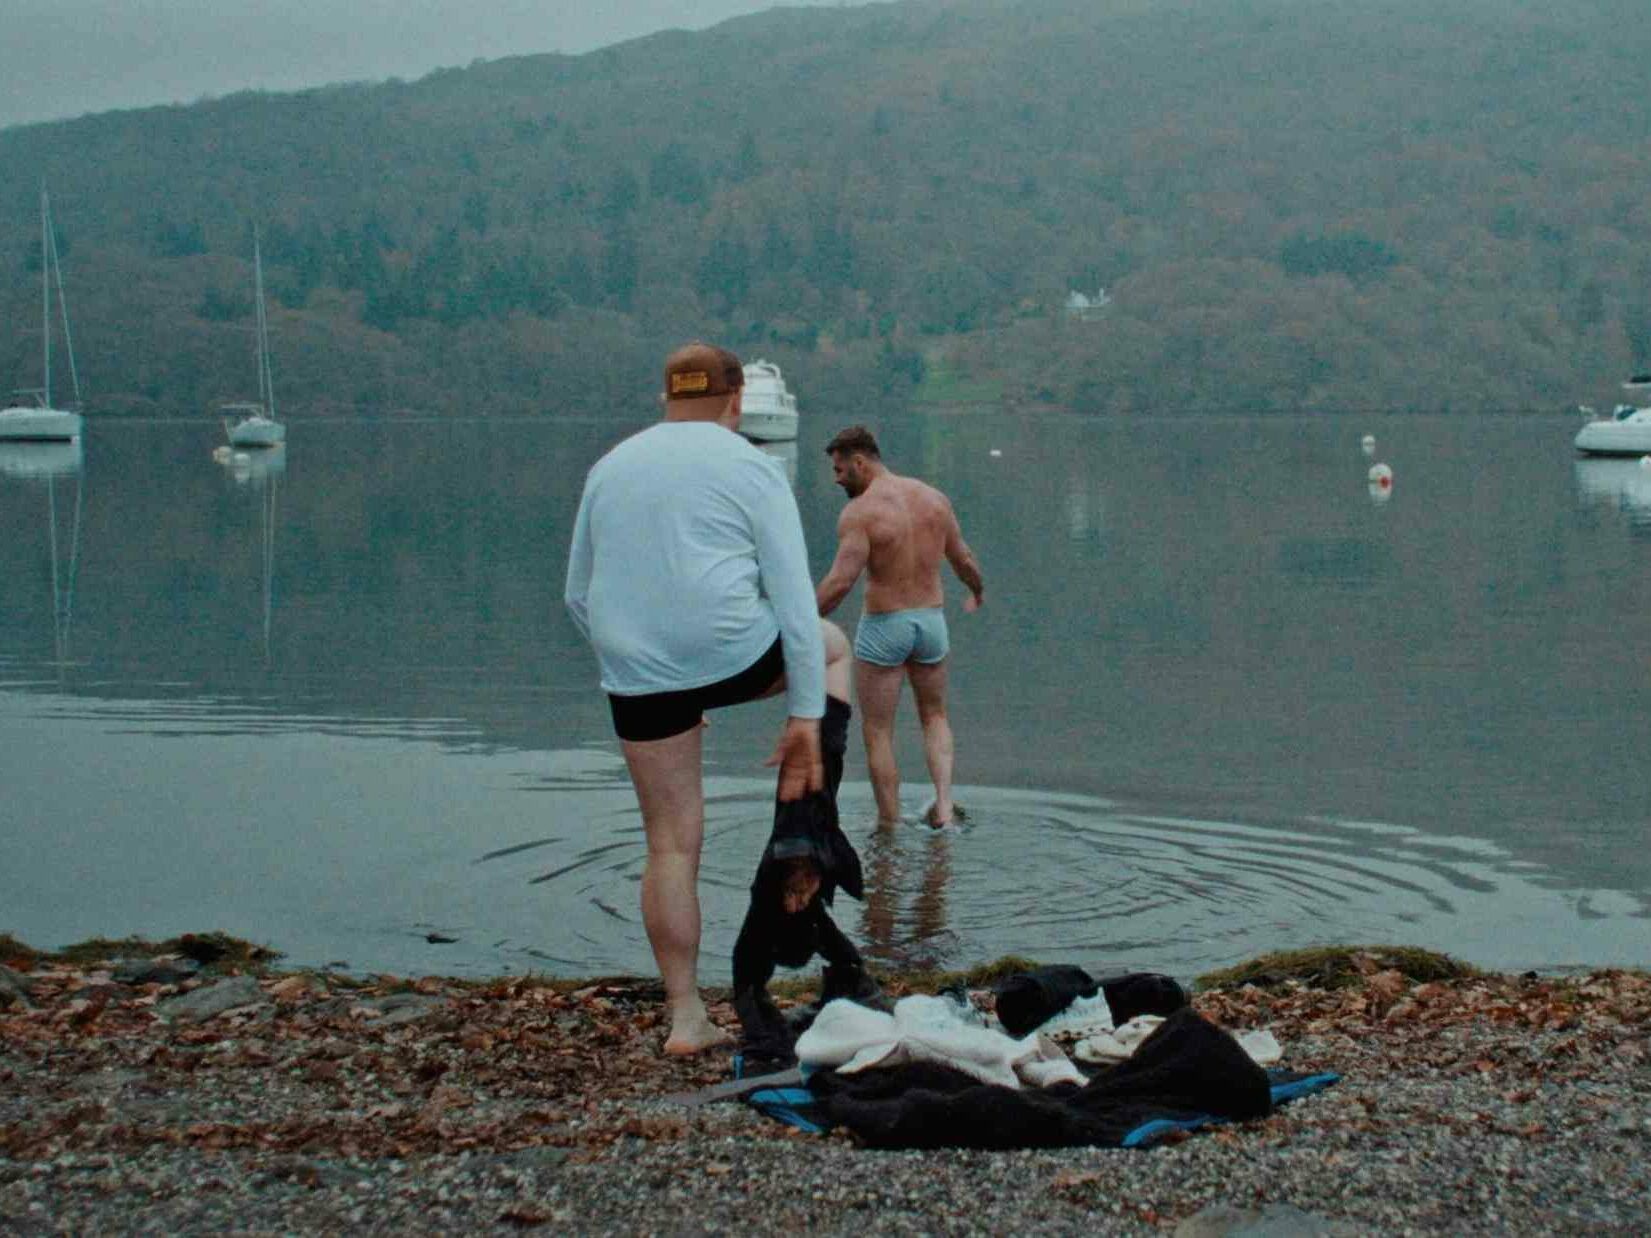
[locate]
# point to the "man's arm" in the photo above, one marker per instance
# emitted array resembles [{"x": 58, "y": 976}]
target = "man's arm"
[
  {"x": 853, "y": 552},
  {"x": 782, "y": 566},
  {"x": 964, "y": 563},
  {"x": 580, "y": 561}
]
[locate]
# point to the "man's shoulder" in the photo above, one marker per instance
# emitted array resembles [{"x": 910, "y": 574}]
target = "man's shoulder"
[
  {"x": 916, "y": 496},
  {"x": 917, "y": 486},
  {"x": 703, "y": 443}
]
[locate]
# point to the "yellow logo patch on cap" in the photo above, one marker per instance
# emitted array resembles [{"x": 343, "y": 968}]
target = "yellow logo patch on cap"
[{"x": 690, "y": 382}]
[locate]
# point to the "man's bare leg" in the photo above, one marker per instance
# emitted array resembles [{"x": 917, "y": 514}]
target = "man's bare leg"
[
  {"x": 838, "y": 654},
  {"x": 879, "y": 691},
  {"x": 666, "y": 775},
  {"x": 928, "y": 685},
  {"x": 837, "y": 660}
]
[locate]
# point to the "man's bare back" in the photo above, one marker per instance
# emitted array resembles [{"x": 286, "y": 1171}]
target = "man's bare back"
[
  {"x": 896, "y": 530},
  {"x": 906, "y": 524}
]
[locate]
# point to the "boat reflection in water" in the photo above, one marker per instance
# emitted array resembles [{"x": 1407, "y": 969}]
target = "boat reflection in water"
[
  {"x": 1619, "y": 483},
  {"x": 55, "y": 467},
  {"x": 259, "y": 471},
  {"x": 785, "y": 453}
]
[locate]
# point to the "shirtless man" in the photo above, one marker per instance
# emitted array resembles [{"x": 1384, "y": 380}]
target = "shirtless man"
[{"x": 897, "y": 529}]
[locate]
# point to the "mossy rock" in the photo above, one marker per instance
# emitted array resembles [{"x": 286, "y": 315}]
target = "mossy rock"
[
  {"x": 15, "y": 953},
  {"x": 210, "y": 950},
  {"x": 1336, "y": 967}
]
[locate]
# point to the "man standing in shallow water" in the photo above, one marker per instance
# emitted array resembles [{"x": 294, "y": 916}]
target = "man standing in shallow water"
[
  {"x": 689, "y": 576},
  {"x": 897, "y": 529}
]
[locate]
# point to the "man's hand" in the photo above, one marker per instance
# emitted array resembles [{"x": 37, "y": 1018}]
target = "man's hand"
[
  {"x": 974, "y": 602},
  {"x": 798, "y": 756}
]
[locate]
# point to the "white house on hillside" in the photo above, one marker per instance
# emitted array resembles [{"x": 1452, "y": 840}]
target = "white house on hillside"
[{"x": 1081, "y": 305}]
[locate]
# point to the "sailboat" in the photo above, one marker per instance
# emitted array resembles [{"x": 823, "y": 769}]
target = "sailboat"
[
  {"x": 255, "y": 424},
  {"x": 39, "y": 421}
]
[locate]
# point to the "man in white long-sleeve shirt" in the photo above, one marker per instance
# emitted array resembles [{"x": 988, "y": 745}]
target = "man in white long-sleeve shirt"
[{"x": 689, "y": 575}]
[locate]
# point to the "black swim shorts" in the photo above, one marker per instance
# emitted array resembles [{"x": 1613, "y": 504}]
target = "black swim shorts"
[{"x": 660, "y": 715}]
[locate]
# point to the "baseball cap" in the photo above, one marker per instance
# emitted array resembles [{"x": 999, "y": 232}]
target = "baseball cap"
[{"x": 699, "y": 371}]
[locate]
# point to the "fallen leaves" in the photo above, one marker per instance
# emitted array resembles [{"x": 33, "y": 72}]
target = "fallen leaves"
[
  {"x": 322, "y": 1068},
  {"x": 1606, "y": 1012}
]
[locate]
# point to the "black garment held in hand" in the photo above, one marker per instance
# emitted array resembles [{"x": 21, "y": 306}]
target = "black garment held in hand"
[{"x": 806, "y": 831}]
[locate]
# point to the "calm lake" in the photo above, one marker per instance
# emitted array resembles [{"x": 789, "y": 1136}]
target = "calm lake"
[{"x": 1222, "y": 698}]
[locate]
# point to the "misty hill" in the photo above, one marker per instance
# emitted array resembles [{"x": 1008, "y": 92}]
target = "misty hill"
[{"x": 1288, "y": 203}]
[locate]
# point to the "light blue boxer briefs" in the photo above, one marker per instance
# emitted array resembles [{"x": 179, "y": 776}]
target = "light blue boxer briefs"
[{"x": 896, "y": 637}]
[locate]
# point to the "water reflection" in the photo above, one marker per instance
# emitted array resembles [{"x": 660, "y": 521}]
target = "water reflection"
[
  {"x": 258, "y": 472},
  {"x": 1083, "y": 509},
  {"x": 41, "y": 459},
  {"x": 252, "y": 466},
  {"x": 60, "y": 467},
  {"x": 1622, "y": 484},
  {"x": 918, "y": 936},
  {"x": 1207, "y": 647}
]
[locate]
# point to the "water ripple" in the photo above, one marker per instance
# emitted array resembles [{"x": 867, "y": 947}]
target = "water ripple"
[{"x": 1073, "y": 878}]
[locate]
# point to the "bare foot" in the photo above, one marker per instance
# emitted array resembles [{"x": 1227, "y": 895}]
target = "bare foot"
[
  {"x": 695, "y": 1036},
  {"x": 934, "y": 818}
]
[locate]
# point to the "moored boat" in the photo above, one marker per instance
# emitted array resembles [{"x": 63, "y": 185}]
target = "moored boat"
[
  {"x": 768, "y": 412},
  {"x": 1627, "y": 431},
  {"x": 255, "y": 424},
  {"x": 39, "y": 422}
]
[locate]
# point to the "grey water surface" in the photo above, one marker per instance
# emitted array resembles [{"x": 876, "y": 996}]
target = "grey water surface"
[{"x": 1224, "y": 697}]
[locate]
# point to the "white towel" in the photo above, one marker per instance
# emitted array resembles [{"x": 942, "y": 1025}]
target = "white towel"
[
  {"x": 1114, "y": 1046},
  {"x": 852, "y": 1038}
]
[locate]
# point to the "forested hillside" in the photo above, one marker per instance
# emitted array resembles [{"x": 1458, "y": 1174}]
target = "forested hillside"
[{"x": 1289, "y": 203}]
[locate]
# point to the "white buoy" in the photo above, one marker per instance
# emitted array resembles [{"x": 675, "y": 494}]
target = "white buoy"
[
  {"x": 1645, "y": 462},
  {"x": 995, "y": 453},
  {"x": 1381, "y": 475},
  {"x": 221, "y": 454},
  {"x": 1369, "y": 444}
]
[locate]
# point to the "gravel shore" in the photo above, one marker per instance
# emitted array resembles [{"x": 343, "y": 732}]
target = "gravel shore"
[{"x": 318, "y": 1103}]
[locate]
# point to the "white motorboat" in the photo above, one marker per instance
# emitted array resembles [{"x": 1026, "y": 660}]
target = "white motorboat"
[
  {"x": 254, "y": 425},
  {"x": 768, "y": 412},
  {"x": 39, "y": 422},
  {"x": 1627, "y": 431}
]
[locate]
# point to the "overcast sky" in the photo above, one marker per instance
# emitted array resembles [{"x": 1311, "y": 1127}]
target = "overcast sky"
[{"x": 69, "y": 57}]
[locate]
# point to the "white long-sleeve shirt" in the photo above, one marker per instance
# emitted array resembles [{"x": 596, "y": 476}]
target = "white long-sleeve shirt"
[{"x": 687, "y": 560}]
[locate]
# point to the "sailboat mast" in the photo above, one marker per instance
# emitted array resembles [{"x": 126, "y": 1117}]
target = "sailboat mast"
[
  {"x": 266, "y": 380},
  {"x": 46, "y": 291}
]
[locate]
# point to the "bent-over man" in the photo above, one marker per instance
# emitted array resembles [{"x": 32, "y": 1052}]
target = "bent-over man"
[
  {"x": 689, "y": 576},
  {"x": 897, "y": 530}
]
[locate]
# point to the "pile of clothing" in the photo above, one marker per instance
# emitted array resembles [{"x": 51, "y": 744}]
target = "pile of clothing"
[{"x": 936, "y": 1071}]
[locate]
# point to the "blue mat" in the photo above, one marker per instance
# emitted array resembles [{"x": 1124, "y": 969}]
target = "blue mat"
[
  {"x": 1284, "y": 1087},
  {"x": 797, "y": 1106}
]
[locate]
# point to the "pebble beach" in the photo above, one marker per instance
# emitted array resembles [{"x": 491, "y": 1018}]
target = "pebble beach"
[{"x": 161, "y": 1096}]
